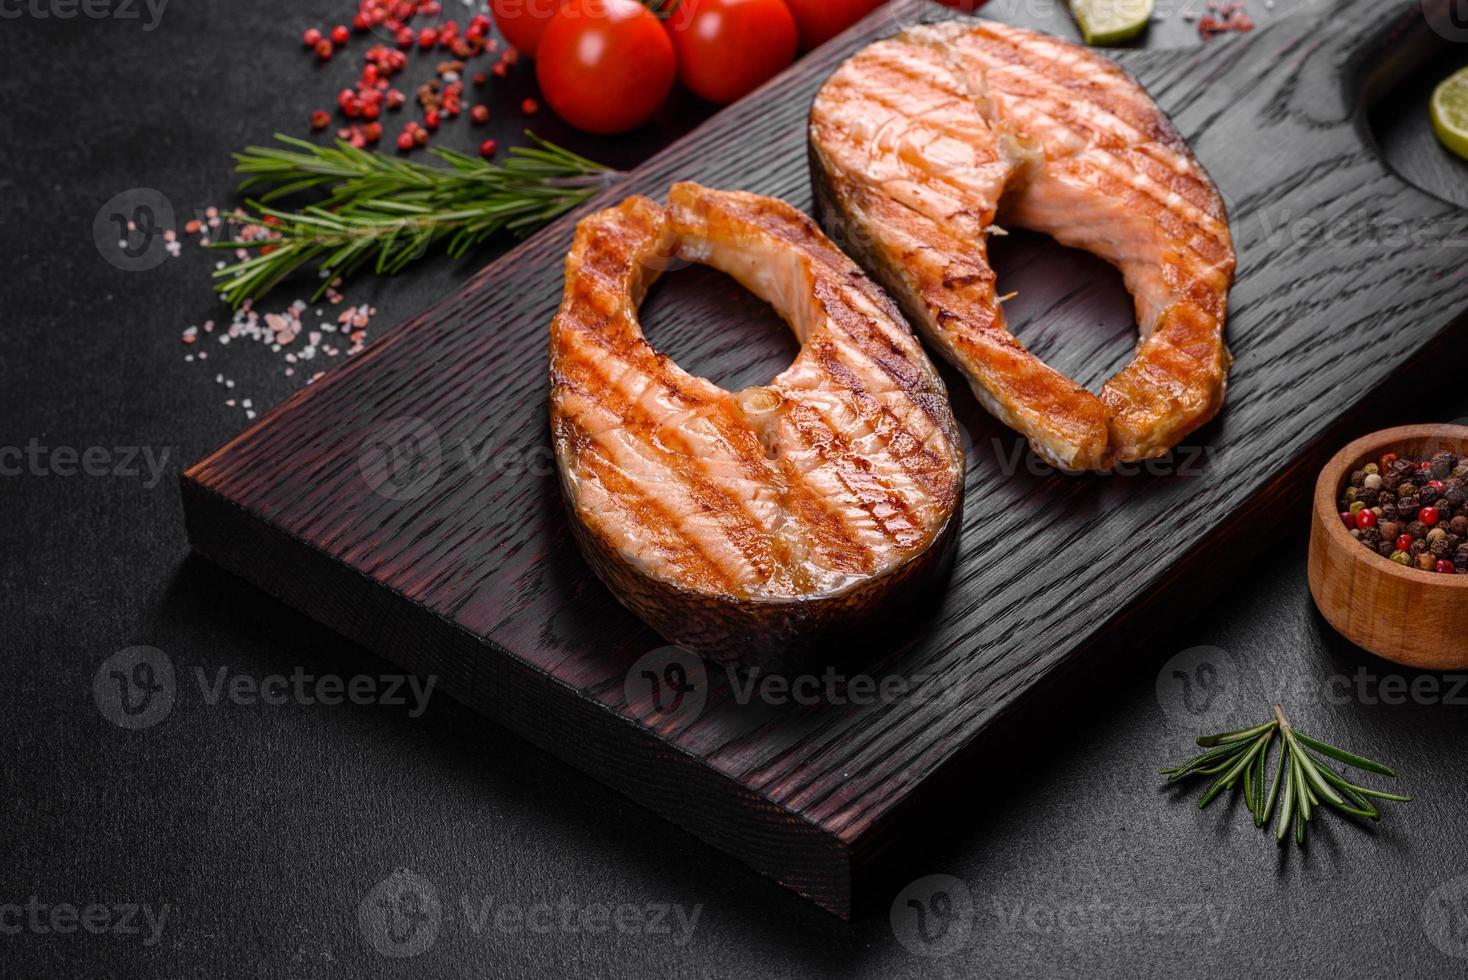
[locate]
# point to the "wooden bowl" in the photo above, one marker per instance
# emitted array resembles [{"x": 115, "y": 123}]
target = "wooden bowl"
[{"x": 1404, "y": 614}]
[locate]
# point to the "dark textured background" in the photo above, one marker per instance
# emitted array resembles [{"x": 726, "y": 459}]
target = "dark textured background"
[{"x": 263, "y": 828}]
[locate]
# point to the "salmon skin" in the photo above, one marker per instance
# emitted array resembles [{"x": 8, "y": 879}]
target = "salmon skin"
[
  {"x": 753, "y": 525},
  {"x": 925, "y": 144}
]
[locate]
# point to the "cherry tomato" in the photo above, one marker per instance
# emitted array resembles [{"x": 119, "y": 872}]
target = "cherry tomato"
[
  {"x": 821, "y": 20},
  {"x": 523, "y": 22},
  {"x": 605, "y": 66},
  {"x": 728, "y": 48}
]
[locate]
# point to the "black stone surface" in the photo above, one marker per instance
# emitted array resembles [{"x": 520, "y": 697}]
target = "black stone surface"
[{"x": 265, "y": 830}]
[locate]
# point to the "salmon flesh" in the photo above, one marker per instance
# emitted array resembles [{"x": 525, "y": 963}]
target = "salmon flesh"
[
  {"x": 748, "y": 525},
  {"x": 924, "y": 144}
]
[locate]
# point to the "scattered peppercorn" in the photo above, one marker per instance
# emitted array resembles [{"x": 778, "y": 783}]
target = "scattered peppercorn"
[
  {"x": 1223, "y": 18},
  {"x": 1411, "y": 511},
  {"x": 372, "y": 95}
]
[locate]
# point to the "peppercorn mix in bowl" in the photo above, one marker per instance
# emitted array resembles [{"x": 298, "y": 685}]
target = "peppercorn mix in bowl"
[
  {"x": 1389, "y": 545},
  {"x": 1410, "y": 510}
]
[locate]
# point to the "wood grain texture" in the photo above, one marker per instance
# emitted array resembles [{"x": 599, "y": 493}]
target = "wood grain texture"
[
  {"x": 1406, "y": 615},
  {"x": 472, "y": 574}
]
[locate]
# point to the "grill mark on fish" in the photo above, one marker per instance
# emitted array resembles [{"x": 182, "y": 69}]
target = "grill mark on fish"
[
  {"x": 867, "y": 491},
  {"x": 841, "y": 476},
  {"x": 652, "y": 520},
  {"x": 1096, "y": 165},
  {"x": 894, "y": 361},
  {"x": 1109, "y": 80},
  {"x": 968, "y": 325},
  {"x": 920, "y": 462},
  {"x": 836, "y": 541},
  {"x": 738, "y": 521}
]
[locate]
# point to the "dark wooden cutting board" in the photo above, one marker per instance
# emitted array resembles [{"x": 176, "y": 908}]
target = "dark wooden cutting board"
[{"x": 407, "y": 499}]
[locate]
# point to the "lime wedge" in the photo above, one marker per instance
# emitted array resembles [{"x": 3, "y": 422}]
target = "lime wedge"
[
  {"x": 1106, "y": 22},
  {"x": 1450, "y": 113}
]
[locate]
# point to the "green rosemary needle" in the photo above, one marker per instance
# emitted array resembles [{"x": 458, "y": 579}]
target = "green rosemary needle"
[
  {"x": 1304, "y": 778},
  {"x": 389, "y": 211}
]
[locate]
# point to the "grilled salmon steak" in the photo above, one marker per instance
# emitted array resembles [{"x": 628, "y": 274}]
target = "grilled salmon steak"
[
  {"x": 921, "y": 143},
  {"x": 755, "y": 524}
]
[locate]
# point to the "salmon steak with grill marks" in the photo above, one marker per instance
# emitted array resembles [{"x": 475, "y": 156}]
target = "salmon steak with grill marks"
[
  {"x": 925, "y": 144},
  {"x": 776, "y": 520}
]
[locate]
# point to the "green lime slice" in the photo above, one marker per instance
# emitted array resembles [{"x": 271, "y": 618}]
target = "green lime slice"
[
  {"x": 1105, "y": 22},
  {"x": 1450, "y": 113}
]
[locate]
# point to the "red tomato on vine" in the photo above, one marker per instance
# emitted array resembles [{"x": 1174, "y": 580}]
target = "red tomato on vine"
[
  {"x": 728, "y": 48},
  {"x": 605, "y": 66},
  {"x": 523, "y": 22},
  {"x": 821, "y": 20}
]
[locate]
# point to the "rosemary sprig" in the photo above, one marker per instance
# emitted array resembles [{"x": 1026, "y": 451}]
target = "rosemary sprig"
[
  {"x": 1303, "y": 778},
  {"x": 389, "y": 211}
]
